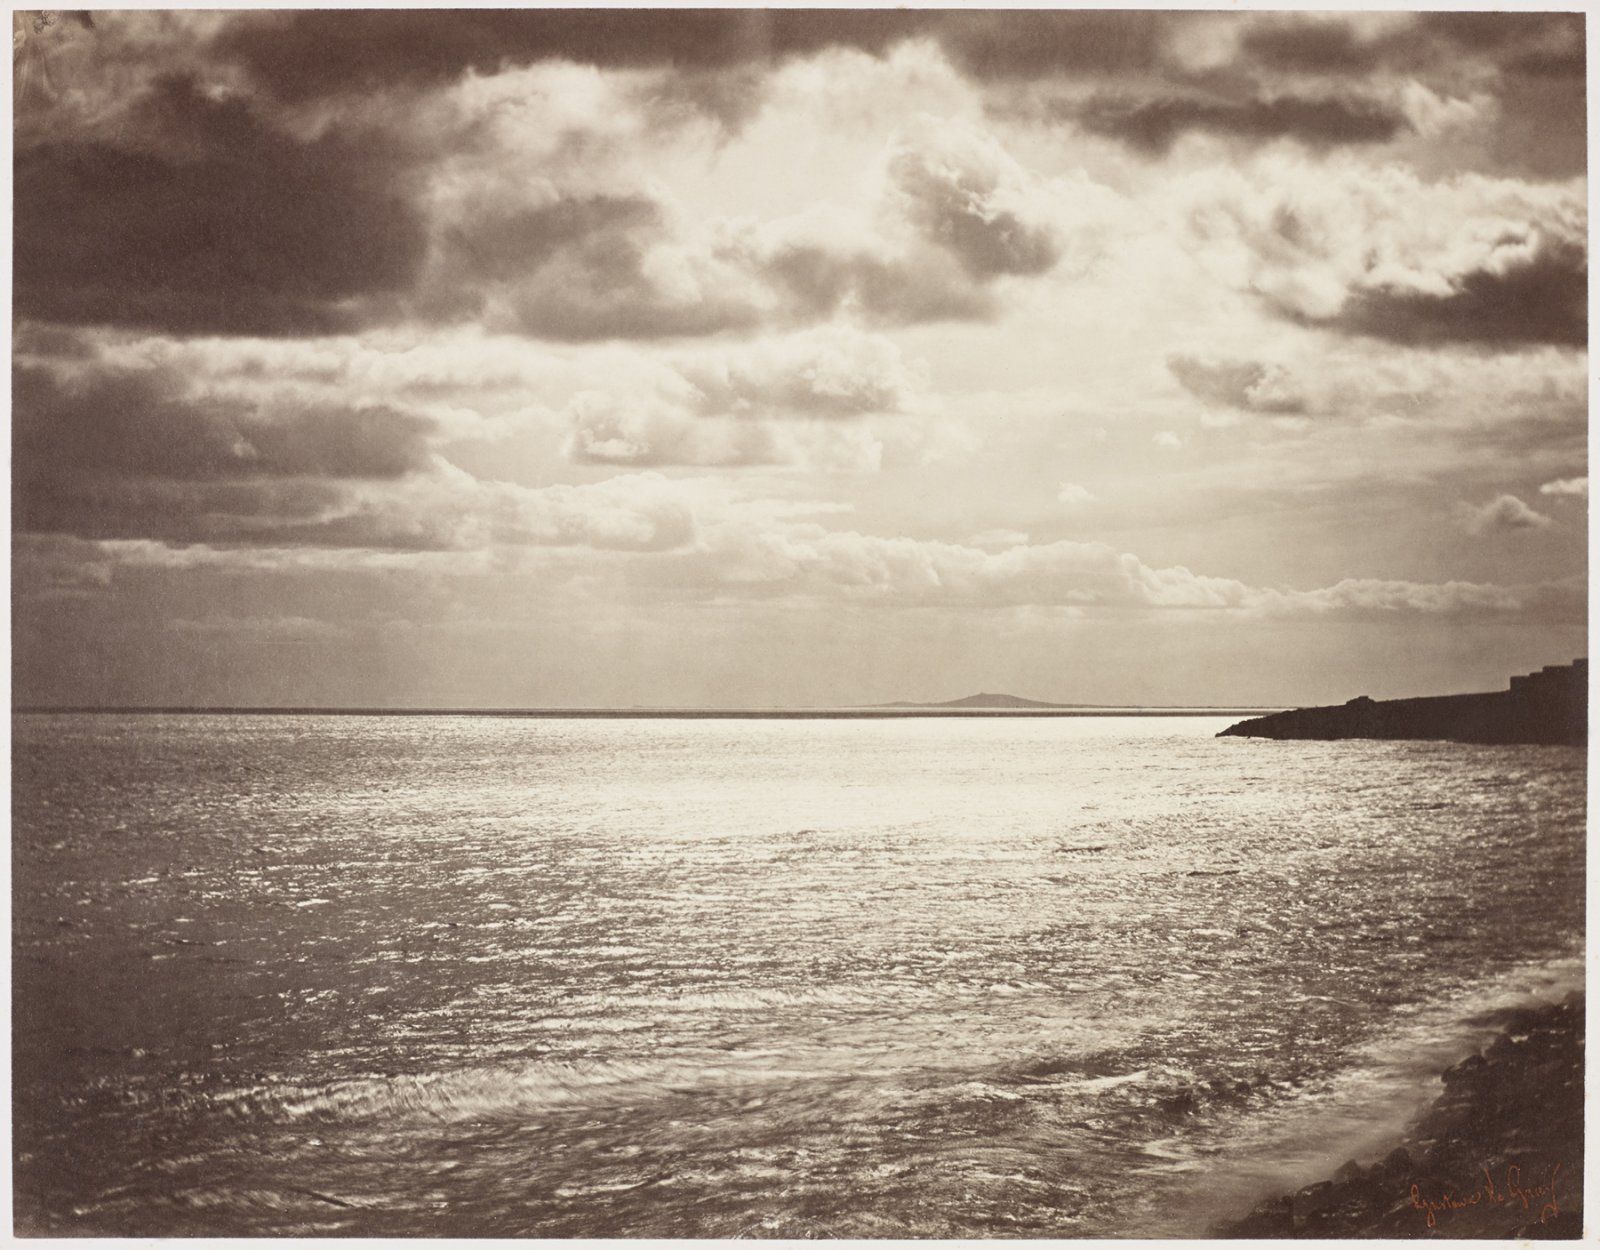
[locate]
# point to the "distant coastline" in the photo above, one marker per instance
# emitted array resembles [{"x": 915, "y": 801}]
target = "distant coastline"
[{"x": 989, "y": 701}]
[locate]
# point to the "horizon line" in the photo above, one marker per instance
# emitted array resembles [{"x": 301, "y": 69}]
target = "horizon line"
[{"x": 839, "y": 712}]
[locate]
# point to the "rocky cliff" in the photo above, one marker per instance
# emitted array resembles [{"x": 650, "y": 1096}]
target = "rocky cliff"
[{"x": 1549, "y": 707}]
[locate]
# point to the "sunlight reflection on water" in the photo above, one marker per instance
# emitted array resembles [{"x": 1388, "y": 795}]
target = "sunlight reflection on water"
[{"x": 640, "y": 977}]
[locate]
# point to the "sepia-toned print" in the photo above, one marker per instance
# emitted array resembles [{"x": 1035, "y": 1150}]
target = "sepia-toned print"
[{"x": 799, "y": 623}]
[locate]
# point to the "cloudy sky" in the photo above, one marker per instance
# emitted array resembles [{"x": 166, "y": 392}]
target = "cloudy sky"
[{"x": 620, "y": 357}]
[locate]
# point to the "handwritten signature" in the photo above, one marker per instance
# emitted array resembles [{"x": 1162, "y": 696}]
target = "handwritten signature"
[{"x": 1490, "y": 1194}]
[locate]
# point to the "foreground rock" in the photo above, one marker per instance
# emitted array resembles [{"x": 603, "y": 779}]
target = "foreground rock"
[
  {"x": 1549, "y": 707},
  {"x": 1500, "y": 1154}
]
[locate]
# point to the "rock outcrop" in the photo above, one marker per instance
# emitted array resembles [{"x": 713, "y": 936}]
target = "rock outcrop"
[
  {"x": 1548, "y": 707},
  {"x": 1500, "y": 1154}
]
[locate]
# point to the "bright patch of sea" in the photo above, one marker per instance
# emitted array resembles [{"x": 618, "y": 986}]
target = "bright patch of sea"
[{"x": 872, "y": 978}]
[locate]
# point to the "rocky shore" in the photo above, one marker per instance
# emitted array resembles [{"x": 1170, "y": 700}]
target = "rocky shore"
[{"x": 1499, "y": 1154}]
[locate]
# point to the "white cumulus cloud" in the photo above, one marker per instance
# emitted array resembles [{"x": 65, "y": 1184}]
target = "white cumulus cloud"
[{"x": 1504, "y": 512}]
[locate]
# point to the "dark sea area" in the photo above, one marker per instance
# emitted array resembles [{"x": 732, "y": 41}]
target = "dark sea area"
[{"x": 994, "y": 976}]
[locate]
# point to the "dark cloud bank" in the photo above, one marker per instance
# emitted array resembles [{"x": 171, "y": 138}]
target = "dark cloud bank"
[
  {"x": 1544, "y": 300},
  {"x": 1154, "y": 125},
  {"x": 311, "y": 53},
  {"x": 121, "y": 453},
  {"x": 204, "y": 212},
  {"x": 212, "y": 221},
  {"x": 328, "y": 52}
]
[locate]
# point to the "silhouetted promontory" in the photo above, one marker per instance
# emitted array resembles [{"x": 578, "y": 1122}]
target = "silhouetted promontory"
[{"x": 1549, "y": 707}]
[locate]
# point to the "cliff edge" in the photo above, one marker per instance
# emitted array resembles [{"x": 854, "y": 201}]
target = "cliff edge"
[{"x": 1549, "y": 707}]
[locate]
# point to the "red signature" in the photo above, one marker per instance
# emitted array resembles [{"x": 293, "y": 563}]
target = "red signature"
[{"x": 1490, "y": 1194}]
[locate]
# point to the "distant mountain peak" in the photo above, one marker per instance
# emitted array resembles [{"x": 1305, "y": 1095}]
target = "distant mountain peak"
[{"x": 986, "y": 700}]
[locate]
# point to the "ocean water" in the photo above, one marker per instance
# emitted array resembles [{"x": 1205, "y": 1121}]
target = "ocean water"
[{"x": 981, "y": 978}]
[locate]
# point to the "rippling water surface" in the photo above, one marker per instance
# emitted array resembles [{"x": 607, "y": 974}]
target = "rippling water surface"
[{"x": 980, "y": 977}]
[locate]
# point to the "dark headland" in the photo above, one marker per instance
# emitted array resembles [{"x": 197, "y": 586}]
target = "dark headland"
[{"x": 1549, "y": 707}]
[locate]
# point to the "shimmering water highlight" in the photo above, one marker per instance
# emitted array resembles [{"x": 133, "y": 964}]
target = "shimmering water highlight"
[{"x": 487, "y": 977}]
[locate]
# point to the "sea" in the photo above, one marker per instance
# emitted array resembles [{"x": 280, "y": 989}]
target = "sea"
[{"x": 473, "y": 976}]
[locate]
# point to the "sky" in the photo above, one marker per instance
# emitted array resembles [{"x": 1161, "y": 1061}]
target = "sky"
[{"x": 763, "y": 358}]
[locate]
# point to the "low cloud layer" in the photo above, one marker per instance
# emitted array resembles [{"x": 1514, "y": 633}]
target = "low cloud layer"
[
  {"x": 1562, "y": 600},
  {"x": 705, "y": 541},
  {"x": 802, "y": 559}
]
